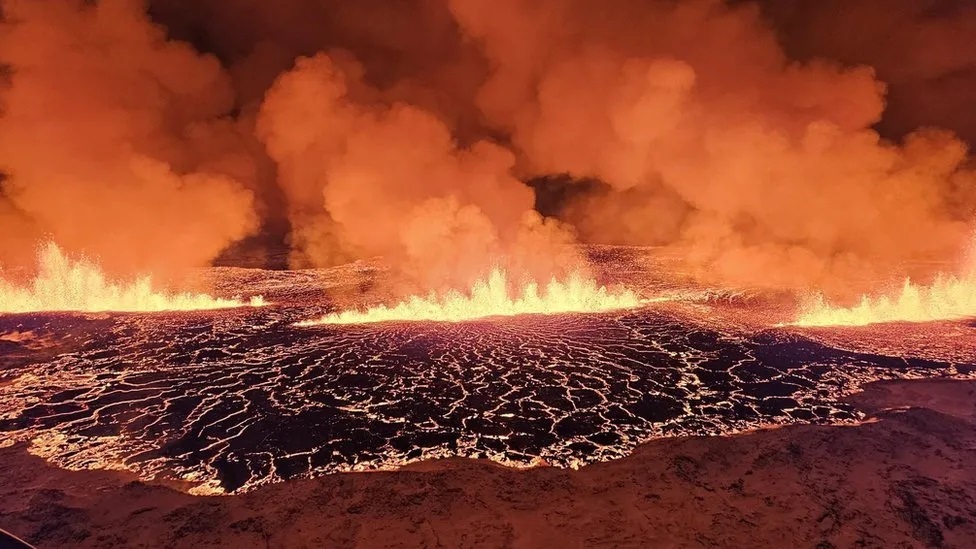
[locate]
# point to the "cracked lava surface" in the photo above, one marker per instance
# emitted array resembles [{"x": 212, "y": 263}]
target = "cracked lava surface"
[{"x": 228, "y": 400}]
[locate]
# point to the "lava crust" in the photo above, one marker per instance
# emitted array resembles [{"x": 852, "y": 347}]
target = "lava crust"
[{"x": 233, "y": 399}]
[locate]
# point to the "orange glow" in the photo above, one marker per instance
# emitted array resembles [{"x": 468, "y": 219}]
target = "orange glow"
[
  {"x": 491, "y": 297},
  {"x": 945, "y": 299},
  {"x": 65, "y": 284}
]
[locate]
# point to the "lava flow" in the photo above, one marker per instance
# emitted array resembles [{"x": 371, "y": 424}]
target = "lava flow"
[
  {"x": 491, "y": 297},
  {"x": 65, "y": 284}
]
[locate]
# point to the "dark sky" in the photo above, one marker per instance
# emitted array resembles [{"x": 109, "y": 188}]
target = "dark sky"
[{"x": 924, "y": 50}]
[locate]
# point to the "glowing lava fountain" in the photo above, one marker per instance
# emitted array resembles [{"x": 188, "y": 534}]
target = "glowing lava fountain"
[
  {"x": 64, "y": 284},
  {"x": 491, "y": 297},
  {"x": 947, "y": 298}
]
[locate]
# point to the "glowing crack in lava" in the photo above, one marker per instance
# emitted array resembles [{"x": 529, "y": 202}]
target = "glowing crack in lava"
[
  {"x": 947, "y": 298},
  {"x": 491, "y": 297},
  {"x": 65, "y": 284},
  {"x": 226, "y": 405}
]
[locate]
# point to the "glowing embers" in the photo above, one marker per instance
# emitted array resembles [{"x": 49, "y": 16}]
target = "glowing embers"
[
  {"x": 65, "y": 284},
  {"x": 946, "y": 298},
  {"x": 491, "y": 297}
]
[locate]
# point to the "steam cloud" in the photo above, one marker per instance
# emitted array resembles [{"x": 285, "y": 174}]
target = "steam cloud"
[{"x": 732, "y": 131}]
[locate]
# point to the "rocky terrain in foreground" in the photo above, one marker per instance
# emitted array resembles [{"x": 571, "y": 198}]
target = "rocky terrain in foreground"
[{"x": 906, "y": 477}]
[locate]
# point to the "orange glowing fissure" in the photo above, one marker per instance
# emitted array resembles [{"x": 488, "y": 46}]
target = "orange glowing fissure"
[
  {"x": 947, "y": 298},
  {"x": 79, "y": 285},
  {"x": 491, "y": 297}
]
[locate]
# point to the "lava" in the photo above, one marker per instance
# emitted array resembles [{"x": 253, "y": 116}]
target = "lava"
[
  {"x": 491, "y": 297},
  {"x": 947, "y": 298},
  {"x": 66, "y": 284}
]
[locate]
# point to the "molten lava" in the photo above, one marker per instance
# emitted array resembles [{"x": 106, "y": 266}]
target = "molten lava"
[
  {"x": 491, "y": 297},
  {"x": 64, "y": 284},
  {"x": 947, "y": 298}
]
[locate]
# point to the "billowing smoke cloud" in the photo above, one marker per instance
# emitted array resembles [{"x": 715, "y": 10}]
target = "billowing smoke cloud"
[
  {"x": 406, "y": 129},
  {"x": 367, "y": 178},
  {"x": 765, "y": 171},
  {"x": 113, "y": 140}
]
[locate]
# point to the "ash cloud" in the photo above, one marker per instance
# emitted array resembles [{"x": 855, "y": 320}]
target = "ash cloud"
[{"x": 766, "y": 142}]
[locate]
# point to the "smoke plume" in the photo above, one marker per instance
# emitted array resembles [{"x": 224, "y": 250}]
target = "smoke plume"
[
  {"x": 368, "y": 178},
  {"x": 763, "y": 170},
  {"x": 115, "y": 141},
  {"x": 752, "y": 137}
]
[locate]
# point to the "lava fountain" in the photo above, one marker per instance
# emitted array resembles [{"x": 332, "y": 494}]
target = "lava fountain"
[
  {"x": 947, "y": 297},
  {"x": 491, "y": 297},
  {"x": 65, "y": 284}
]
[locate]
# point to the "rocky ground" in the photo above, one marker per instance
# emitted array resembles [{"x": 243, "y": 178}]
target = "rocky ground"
[{"x": 904, "y": 478}]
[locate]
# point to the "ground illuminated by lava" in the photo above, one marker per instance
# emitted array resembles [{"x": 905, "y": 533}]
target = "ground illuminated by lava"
[{"x": 233, "y": 399}]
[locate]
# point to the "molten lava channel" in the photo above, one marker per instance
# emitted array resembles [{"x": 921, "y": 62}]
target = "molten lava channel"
[
  {"x": 65, "y": 284},
  {"x": 491, "y": 297}
]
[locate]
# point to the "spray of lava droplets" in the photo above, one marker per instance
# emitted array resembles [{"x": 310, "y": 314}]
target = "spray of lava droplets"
[
  {"x": 491, "y": 297},
  {"x": 948, "y": 297},
  {"x": 64, "y": 284}
]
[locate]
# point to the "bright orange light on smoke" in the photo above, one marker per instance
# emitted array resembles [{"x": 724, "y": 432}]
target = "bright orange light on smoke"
[
  {"x": 66, "y": 284},
  {"x": 492, "y": 297}
]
